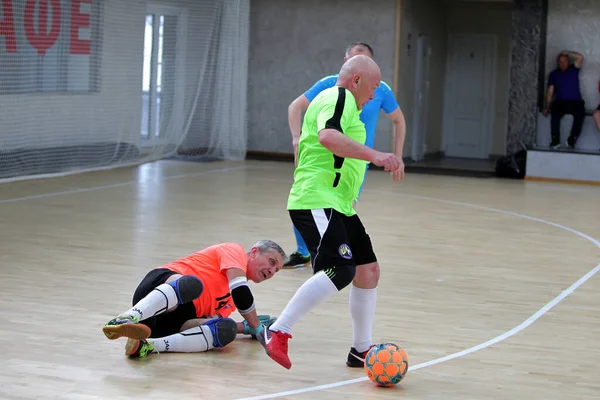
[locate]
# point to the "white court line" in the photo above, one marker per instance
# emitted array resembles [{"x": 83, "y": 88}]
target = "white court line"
[
  {"x": 478, "y": 347},
  {"x": 116, "y": 185}
]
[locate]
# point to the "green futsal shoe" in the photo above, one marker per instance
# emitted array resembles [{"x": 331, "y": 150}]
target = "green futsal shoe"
[
  {"x": 138, "y": 348},
  {"x": 126, "y": 326}
]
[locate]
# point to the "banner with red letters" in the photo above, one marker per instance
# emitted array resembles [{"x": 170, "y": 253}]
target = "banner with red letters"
[
  {"x": 53, "y": 40},
  {"x": 43, "y": 20}
]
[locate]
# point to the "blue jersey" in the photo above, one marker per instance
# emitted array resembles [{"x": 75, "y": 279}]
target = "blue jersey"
[{"x": 383, "y": 99}]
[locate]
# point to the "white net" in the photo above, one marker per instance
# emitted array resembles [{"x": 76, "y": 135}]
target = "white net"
[{"x": 92, "y": 84}]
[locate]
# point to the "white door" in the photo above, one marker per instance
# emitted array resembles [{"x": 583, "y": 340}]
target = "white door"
[
  {"x": 468, "y": 105},
  {"x": 163, "y": 72},
  {"x": 419, "y": 125}
]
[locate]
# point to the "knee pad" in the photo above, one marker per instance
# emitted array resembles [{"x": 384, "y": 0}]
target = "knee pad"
[
  {"x": 341, "y": 276},
  {"x": 187, "y": 288},
  {"x": 224, "y": 331}
]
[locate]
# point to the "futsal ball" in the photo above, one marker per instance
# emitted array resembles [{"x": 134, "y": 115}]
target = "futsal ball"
[{"x": 386, "y": 364}]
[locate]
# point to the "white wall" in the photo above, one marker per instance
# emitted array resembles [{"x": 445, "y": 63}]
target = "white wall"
[
  {"x": 575, "y": 25},
  {"x": 563, "y": 166}
]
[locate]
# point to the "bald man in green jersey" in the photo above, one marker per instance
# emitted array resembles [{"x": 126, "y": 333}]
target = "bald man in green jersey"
[{"x": 332, "y": 157}]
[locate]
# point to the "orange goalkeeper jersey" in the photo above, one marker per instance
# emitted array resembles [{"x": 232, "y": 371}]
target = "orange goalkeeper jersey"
[{"x": 209, "y": 265}]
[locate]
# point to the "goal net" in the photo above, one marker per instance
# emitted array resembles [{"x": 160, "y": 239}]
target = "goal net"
[{"x": 96, "y": 84}]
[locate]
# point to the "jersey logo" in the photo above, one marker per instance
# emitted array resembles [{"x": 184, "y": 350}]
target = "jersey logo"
[
  {"x": 222, "y": 301},
  {"x": 345, "y": 251}
]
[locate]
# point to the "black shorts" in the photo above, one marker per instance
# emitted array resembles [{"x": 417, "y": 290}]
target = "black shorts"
[
  {"x": 167, "y": 323},
  {"x": 333, "y": 239},
  {"x": 598, "y": 108}
]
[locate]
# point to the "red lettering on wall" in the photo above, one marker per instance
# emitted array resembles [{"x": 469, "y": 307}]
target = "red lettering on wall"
[
  {"x": 42, "y": 40},
  {"x": 7, "y": 27},
  {"x": 79, "y": 20}
]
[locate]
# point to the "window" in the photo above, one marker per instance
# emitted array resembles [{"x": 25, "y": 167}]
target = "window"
[{"x": 162, "y": 68}]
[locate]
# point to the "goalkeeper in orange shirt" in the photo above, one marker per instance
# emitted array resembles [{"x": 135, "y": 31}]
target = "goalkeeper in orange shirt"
[{"x": 184, "y": 306}]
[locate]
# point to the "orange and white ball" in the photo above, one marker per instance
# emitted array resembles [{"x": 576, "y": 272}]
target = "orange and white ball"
[{"x": 386, "y": 364}]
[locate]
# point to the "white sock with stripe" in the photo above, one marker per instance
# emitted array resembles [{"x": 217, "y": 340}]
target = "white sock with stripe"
[
  {"x": 194, "y": 340},
  {"x": 158, "y": 301},
  {"x": 312, "y": 293},
  {"x": 362, "y": 309}
]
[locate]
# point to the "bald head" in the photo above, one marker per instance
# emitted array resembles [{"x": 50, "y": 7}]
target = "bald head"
[
  {"x": 361, "y": 75},
  {"x": 362, "y": 65}
]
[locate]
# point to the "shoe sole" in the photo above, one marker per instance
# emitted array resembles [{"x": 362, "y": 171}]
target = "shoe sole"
[
  {"x": 350, "y": 365},
  {"x": 283, "y": 363},
  {"x": 132, "y": 346},
  {"x": 132, "y": 331}
]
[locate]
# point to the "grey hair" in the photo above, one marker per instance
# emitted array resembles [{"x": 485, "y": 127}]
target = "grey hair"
[{"x": 266, "y": 245}]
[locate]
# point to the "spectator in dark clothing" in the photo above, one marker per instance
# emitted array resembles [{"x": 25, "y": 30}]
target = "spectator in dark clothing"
[{"x": 563, "y": 85}]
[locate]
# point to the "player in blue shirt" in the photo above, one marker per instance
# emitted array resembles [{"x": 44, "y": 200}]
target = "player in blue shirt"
[{"x": 383, "y": 99}]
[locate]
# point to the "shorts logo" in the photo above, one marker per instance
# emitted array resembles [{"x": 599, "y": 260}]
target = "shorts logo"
[{"x": 345, "y": 251}]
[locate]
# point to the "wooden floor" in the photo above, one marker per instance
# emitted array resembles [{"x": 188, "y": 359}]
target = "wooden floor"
[{"x": 464, "y": 261}]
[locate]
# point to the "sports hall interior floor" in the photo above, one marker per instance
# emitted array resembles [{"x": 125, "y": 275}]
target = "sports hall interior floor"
[{"x": 489, "y": 285}]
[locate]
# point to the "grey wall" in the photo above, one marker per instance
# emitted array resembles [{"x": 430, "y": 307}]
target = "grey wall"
[
  {"x": 295, "y": 43},
  {"x": 313, "y": 35},
  {"x": 575, "y": 25},
  {"x": 526, "y": 44}
]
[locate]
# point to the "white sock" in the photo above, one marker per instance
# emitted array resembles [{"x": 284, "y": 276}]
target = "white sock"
[
  {"x": 161, "y": 299},
  {"x": 362, "y": 310},
  {"x": 312, "y": 293},
  {"x": 194, "y": 340}
]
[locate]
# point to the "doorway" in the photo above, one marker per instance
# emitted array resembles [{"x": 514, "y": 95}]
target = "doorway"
[{"x": 469, "y": 95}]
